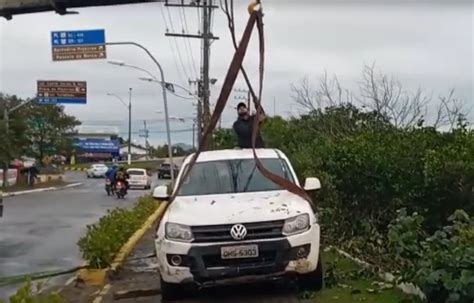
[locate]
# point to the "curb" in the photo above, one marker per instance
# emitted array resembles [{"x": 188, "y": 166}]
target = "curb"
[
  {"x": 96, "y": 277},
  {"x": 67, "y": 168},
  {"x": 39, "y": 190}
]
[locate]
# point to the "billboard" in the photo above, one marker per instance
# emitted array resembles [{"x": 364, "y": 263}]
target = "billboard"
[{"x": 97, "y": 146}]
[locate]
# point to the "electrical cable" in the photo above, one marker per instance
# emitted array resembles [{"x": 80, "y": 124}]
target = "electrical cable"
[
  {"x": 177, "y": 46},
  {"x": 188, "y": 40},
  {"x": 16, "y": 279},
  {"x": 178, "y": 69}
]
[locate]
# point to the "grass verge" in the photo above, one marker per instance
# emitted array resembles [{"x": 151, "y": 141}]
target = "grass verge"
[
  {"x": 103, "y": 239},
  {"x": 27, "y": 294},
  {"x": 348, "y": 282}
]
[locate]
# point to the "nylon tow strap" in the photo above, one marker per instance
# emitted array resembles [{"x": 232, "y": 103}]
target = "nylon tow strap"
[{"x": 256, "y": 17}]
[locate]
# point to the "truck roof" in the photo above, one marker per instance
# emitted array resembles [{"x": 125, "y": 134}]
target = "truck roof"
[{"x": 231, "y": 154}]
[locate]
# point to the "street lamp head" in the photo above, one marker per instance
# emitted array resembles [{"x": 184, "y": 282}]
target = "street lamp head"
[
  {"x": 146, "y": 79},
  {"x": 116, "y": 62}
]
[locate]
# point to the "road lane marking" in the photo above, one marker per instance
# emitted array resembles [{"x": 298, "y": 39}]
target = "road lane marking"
[{"x": 102, "y": 293}]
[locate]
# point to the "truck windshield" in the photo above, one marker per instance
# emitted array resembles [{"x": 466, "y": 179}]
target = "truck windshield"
[{"x": 232, "y": 176}]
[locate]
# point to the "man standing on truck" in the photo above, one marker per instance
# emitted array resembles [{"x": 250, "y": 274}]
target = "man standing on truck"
[{"x": 243, "y": 127}]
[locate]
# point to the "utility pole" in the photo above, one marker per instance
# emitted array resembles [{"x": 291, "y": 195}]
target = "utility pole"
[
  {"x": 274, "y": 106},
  {"x": 199, "y": 118},
  {"x": 146, "y": 134},
  {"x": 207, "y": 6},
  {"x": 129, "y": 156},
  {"x": 194, "y": 134},
  {"x": 205, "y": 67},
  {"x": 7, "y": 147}
]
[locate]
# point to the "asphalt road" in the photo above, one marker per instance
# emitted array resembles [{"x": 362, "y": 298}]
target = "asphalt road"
[{"x": 39, "y": 231}]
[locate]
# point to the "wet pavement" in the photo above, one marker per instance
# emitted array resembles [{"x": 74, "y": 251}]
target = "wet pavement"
[{"x": 39, "y": 231}]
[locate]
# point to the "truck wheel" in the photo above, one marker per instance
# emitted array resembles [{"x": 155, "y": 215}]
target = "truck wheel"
[
  {"x": 171, "y": 292},
  {"x": 312, "y": 281}
]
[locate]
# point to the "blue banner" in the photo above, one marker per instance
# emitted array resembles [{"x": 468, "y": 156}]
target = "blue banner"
[
  {"x": 98, "y": 145},
  {"x": 60, "y": 100}
]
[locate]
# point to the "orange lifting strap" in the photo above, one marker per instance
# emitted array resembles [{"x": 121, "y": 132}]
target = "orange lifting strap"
[{"x": 256, "y": 17}]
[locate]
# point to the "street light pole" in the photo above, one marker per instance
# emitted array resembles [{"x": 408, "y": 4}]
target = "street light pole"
[
  {"x": 165, "y": 100},
  {"x": 7, "y": 148},
  {"x": 6, "y": 117},
  {"x": 129, "y": 156},
  {"x": 129, "y": 108}
]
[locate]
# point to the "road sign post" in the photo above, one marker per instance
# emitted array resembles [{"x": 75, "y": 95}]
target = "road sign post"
[
  {"x": 78, "y": 45},
  {"x": 61, "y": 92}
]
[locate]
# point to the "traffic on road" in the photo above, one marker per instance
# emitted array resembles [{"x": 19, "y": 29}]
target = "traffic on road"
[{"x": 39, "y": 231}]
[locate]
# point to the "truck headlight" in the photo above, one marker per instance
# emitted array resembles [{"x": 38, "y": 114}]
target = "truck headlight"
[
  {"x": 178, "y": 232},
  {"x": 296, "y": 225}
]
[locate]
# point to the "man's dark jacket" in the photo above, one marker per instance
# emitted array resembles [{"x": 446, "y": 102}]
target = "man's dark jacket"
[{"x": 243, "y": 129}]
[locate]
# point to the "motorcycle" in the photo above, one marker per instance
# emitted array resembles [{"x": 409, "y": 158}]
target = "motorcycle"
[
  {"x": 120, "y": 189},
  {"x": 108, "y": 187}
]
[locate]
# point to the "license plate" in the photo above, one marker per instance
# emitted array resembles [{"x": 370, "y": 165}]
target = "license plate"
[{"x": 239, "y": 252}]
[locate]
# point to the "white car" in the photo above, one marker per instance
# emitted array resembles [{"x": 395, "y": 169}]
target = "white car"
[
  {"x": 97, "y": 171},
  {"x": 139, "y": 178},
  {"x": 229, "y": 224}
]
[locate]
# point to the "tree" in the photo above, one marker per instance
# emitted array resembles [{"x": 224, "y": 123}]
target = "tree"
[
  {"x": 13, "y": 139},
  {"x": 385, "y": 96},
  {"x": 48, "y": 127}
]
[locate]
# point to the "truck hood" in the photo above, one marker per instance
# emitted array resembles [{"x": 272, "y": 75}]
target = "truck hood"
[{"x": 236, "y": 208}]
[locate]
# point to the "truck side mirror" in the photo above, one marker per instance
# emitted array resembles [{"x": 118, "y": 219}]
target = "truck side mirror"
[
  {"x": 161, "y": 193},
  {"x": 311, "y": 184}
]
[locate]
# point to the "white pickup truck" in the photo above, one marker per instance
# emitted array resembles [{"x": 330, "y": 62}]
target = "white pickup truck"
[{"x": 229, "y": 224}]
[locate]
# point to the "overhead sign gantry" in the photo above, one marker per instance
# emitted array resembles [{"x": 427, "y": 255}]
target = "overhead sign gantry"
[{"x": 9, "y": 8}]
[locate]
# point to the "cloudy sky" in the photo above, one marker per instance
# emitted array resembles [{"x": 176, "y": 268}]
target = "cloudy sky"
[{"x": 427, "y": 44}]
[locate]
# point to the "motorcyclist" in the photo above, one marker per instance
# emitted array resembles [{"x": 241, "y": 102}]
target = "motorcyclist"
[
  {"x": 123, "y": 176},
  {"x": 110, "y": 174}
]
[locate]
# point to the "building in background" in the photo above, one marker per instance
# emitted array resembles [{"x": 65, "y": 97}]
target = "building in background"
[
  {"x": 138, "y": 152},
  {"x": 95, "y": 144}
]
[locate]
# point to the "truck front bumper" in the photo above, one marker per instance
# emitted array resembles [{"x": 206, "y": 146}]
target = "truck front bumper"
[{"x": 202, "y": 263}]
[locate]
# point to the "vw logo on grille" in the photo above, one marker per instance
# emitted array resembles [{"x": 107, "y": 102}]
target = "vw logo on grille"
[{"x": 238, "y": 232}]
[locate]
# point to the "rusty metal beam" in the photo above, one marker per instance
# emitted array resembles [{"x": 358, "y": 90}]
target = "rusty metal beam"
[{"x": 9, "y": 8}]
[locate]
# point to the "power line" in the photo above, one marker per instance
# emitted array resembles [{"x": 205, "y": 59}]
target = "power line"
[
  {"x": 178, "y": 69},
  {"x": 198, "y": 20},
  {"x": 177, "y": 46},
  {"x": 161, "y": 131},
  {"x": 185, "y": 41},
  {"x": 188, "y": 43}
]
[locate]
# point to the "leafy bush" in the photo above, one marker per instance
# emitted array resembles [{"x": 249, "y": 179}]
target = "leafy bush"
[
  {"x": 104, "y": 238},
  {"x": 441, "y": 264},
  {"x": 25, "y": 295},
  {"x": 369, "y": 169}
]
